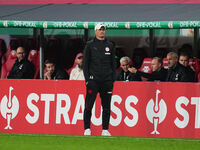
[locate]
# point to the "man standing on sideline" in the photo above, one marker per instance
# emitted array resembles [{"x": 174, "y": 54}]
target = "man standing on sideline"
[
  {"x": 176, "y": 72},
  {"x": 158, "y": 72},
  {"x": 99, "y": 72},
  {"x": 22, "y": 68}
]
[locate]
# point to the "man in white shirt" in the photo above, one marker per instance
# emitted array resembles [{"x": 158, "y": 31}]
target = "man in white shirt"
[{"x": 77, "y": 72}]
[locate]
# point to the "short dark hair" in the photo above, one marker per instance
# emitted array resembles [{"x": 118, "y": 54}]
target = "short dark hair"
[
  {"x": 184, "y": 54},
  {"x": 160, "y": 60},
  {"x": 49, "y": 61}
]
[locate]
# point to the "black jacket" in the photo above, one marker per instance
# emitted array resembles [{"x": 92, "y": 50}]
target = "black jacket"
[
  {"x": 179, "y": 74},
  {"x": 22, "y": 70},
  {"x": 127, "y": 76},
  {"x": 60, "y": 74},
  {"x": 99, "y": 61},
  {"x": 191, "y": 73},
  {"x": 154, "y": 76}
]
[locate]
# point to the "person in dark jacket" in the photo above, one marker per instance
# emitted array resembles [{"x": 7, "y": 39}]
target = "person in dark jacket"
[
  {"x": 53, "y": 72},
  {"x": 176, "y": 72},
  {"x": 184, "y": 60},
  {"x": 22, "y": 68},
  {"x": 158, "y": 72},
  {"x": 124, "y": 74},
  {"x": 99, "y": 72}
]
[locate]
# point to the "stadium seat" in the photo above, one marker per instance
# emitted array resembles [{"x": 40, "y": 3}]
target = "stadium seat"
[
  {"x": 165, "y": 63},
  {"x": 74, "y": 65},
  {"x": 13, "y": 45},
  {"x": 7, "y": 66},
  {"x": 146, "y": 67},
  {"x": 34, "y": 57},
  {"x": 194, "y": 63}
]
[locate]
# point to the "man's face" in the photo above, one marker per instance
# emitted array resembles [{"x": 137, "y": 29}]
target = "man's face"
[
  {"x": 79, "y": 61},
  {"x": 20, "y": 54},
  {"x": 125, "y": 66},
  {"x": 172, "y": 61},
  {"x": 101, "y": 33},
  {"x": 156, "y": 66},
  {"x": 184, "y": 60},
  {"x": 50, "y": 68}
]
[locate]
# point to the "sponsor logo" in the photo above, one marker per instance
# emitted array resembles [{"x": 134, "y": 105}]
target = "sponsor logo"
[
  {"x": 5, "y": 24},
  {"x": 156, "y": 112},
  {"x": 107, "y": 49},
  {"x": 146, "y": 69},
  {"x": 170, "y": 24},
  {"x": 45, "y": 24},
  {"x": 9, "y": 107},
  {"x": 127, "y": 25},
  {"x": 85, "y": 25}
]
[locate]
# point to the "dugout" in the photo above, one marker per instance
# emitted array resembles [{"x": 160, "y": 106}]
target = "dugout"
[{"x": 131, "y": 29}]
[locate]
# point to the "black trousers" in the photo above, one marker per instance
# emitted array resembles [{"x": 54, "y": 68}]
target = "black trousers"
[{"x": 105, "y": 91}]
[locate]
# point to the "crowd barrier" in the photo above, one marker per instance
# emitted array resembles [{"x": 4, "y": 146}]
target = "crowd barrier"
[{"x": 144, "y": 109}]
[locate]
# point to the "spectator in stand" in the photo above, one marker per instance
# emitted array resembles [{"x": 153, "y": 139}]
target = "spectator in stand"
[
  {"x": 77, "y": 72},
  {"x": 124, "y": 74},
  {"x": 184, "y": 60},
  {"x": 53, "y": 72},
  {"x": 158, "y": 72},
  {"x": 176, "y": 72},
  {"x": 22, "y": 68}
]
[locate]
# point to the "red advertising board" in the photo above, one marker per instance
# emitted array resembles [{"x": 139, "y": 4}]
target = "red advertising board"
[{"x": 147, "y": 109}]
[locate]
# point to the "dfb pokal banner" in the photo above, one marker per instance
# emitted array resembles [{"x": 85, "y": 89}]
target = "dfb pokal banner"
[{"x": 147, "y": 109}]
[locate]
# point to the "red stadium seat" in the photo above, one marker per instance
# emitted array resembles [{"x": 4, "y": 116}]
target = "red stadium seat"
[
  {"x": 34, "y": 57},
  {"x": 7, "y": 66},
  {"x": 165, "y": 63},
  {"x": 194, "y": 63},
  {"x": 74, "y": 65},
  {"x": 13, "y": 45},
  {"x": 146, "y": 67}
]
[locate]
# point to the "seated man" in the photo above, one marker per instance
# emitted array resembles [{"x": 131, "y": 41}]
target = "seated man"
[
  {"x": 22, "y": 68},
  {"x": 158, "y": 72},
  {"x": 53, "y": 72},
  {"x": 124, "y": 74},
  {"x": 184, "y": 60},
  {"x": 176, "y": 72},
  {"x": 77, "y": 72}
]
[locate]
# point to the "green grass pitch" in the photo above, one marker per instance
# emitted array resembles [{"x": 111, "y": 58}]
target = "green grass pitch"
[{"x": 75, "y": 142}]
